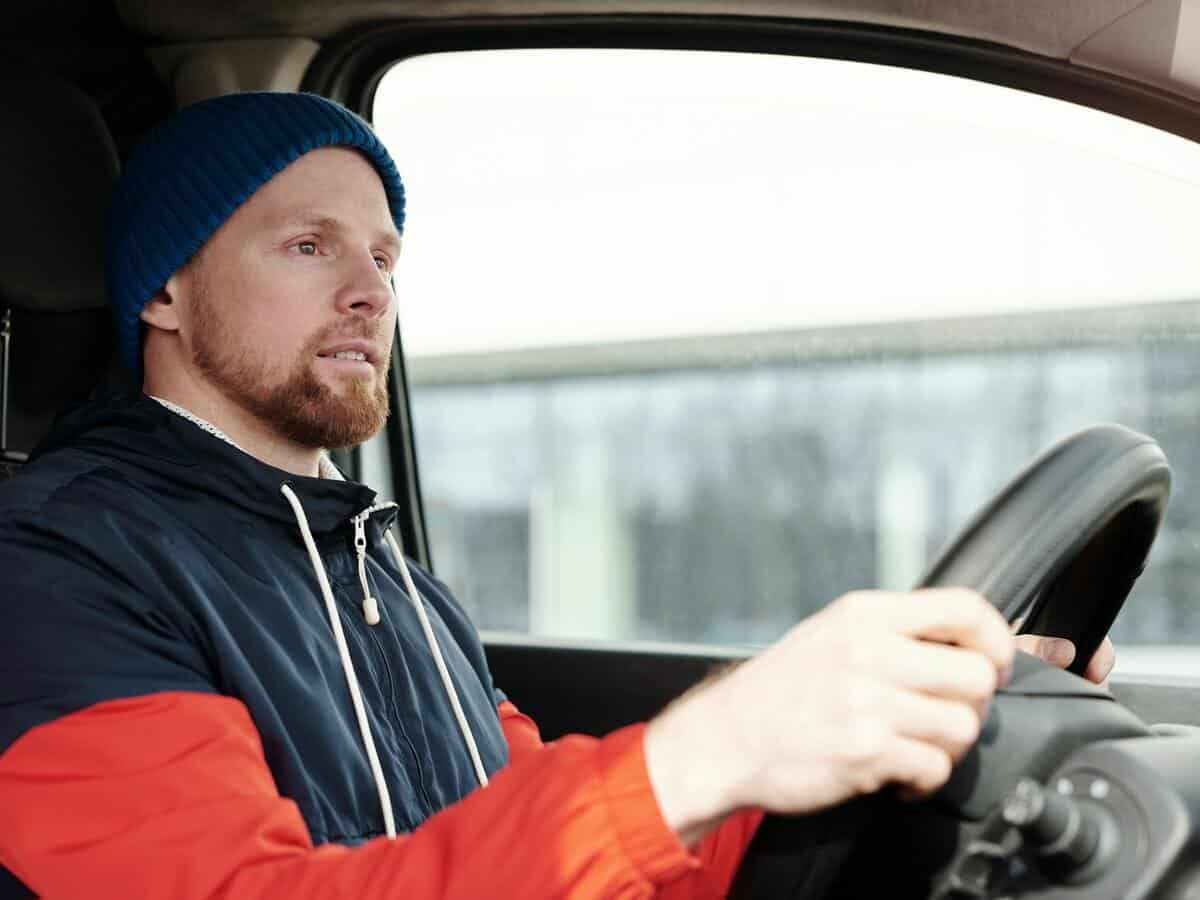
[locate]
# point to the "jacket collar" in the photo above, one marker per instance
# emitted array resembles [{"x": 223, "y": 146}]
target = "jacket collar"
[{"x": 180, "y": 451}]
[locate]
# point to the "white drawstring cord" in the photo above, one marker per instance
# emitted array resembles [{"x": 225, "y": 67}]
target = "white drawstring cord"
[
  {"x": 464, "y": 726},
  {"x": 370, "y": 605},
  {"x": 364, "y": 727}
]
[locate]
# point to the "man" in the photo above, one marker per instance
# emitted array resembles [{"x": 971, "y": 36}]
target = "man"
[{"x": 220, "y": 677}]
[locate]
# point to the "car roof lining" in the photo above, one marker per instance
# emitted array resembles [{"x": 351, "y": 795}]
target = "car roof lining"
[
  {"x": 1156, "y": 42},
  {"x": 1052, "y": 29}
]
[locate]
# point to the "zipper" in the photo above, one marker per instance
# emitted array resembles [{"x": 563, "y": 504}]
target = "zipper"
[
  {"x": 398, "y": 725},
  {"x": 370, "y": 606},
  {"x": 370, "y": 609}
]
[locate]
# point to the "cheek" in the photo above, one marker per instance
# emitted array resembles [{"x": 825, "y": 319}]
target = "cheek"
[
  {"x": 289, "y": 341},
  {"x": 274, "y": 314}
]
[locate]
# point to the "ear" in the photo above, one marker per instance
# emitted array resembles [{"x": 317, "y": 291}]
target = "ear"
[{"x": 162, "y": 310}]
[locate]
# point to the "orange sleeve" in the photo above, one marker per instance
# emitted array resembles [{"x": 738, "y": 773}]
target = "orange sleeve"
[
  {"x": 169, "y": 795},
  {"x": 719, "y": 854},
  {"x": 520, "y": 731}
]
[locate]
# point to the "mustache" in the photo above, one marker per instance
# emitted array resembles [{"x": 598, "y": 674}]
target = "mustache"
[{"x": 363, "y": 332}]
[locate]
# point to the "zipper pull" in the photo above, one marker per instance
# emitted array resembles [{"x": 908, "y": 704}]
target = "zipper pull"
[{"x": 370, "y": 605}]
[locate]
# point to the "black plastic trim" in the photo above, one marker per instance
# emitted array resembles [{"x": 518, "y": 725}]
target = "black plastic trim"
[
  {"x": 402, "y": 451},
  {"x": 594, "y": 690}
]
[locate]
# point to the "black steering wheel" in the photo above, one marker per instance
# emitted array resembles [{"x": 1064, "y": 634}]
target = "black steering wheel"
[{"x": 1057, "y": 551}]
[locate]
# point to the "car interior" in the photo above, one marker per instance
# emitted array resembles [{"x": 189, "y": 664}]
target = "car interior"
[{"x": 1074, "y": 790}]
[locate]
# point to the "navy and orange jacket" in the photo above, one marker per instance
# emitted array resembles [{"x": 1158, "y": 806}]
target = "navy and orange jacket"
[{"x": 175, "y": 721}]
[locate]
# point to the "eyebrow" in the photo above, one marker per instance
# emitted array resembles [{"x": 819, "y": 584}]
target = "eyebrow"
[{"x": 387, "y": 236}]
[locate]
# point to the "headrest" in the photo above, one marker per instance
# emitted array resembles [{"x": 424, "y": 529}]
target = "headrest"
[{"x": 57, "y": 167}]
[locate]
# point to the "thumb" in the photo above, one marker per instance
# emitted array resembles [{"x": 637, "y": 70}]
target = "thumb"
[{"x": 1054, "y": 650}]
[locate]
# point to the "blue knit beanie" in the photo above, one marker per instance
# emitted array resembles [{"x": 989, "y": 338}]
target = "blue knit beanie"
[{"x": 192, "y": 171}]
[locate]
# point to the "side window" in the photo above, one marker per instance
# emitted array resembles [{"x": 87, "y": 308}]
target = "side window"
[{"x": 699, "y": 341}]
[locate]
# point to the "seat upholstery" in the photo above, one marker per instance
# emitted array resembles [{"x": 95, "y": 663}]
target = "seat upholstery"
[{"x": 57, "y": 167}]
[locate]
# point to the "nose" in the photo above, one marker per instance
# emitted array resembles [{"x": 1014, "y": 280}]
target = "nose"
[{"x": 365, "y": 290}]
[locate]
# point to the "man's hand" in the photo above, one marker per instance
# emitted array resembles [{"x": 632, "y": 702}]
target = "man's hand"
[
  {"x": 875, "y": 689},
  {"x": 1061, "y": 652}
]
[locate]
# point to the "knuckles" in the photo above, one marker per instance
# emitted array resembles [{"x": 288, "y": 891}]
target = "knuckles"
[
  {"x": 937, "y": 772},
  {"x": 861, "y": 654},
  {"x": 977, "y": 677},
  {"x": 864, "y": 754},
  {"x": 961, "y": 726},
  {"x": 858, "y": 606},
  {"x": 860, "y": 698}
]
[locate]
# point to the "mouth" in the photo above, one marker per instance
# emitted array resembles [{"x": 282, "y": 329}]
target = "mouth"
[
  {"x": 348, "y": 355},
  {"x": 351, "y": 356}
]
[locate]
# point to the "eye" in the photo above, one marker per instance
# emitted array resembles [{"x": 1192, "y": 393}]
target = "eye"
[
  {"x": 306, "y": 248},
  {"x": 383, "y": 264}
]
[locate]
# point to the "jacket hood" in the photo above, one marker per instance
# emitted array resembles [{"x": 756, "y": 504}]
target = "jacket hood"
[{"x": 178, "y": 454}]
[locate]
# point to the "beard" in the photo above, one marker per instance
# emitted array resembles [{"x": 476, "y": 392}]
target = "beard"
[{"x": 301, "y": 408}]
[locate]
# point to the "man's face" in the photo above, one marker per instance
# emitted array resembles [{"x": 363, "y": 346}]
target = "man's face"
[{"x": 299, "y": 273}]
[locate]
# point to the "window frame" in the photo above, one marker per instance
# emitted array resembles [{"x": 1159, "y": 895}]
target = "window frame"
[{"x": 349, "y": 68}]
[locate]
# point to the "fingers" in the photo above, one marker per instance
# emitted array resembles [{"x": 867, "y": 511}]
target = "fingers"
[
  {"x": 917, "y": 767},
  {"x": 1056, "y": 651},
  {"x": 1061, "y": 652},
  {"x": 929, "y": 736},
  {"x": 1102, "y": 662},
  {"x": 874, "y": 755},
  {"x": 878, "y": 688},
  {"x": 941, "y": 670},
  {"x": 950, "y": 726},
  {"x": 949, "y": 615}
]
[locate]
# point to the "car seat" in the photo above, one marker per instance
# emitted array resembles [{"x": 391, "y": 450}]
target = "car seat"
[{"x": 58, "y": 164}]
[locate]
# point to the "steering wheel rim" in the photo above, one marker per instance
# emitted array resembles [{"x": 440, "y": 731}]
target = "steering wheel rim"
[
  {"x": 1065, "y": 568},
  {"x": 1032, "y": 559}
]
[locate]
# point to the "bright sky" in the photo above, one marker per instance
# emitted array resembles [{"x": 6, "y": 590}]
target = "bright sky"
[{"x": 564, "y": 197}]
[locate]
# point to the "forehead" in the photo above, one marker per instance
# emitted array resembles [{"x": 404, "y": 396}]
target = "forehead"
[{"x": 330, "y": 184}]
